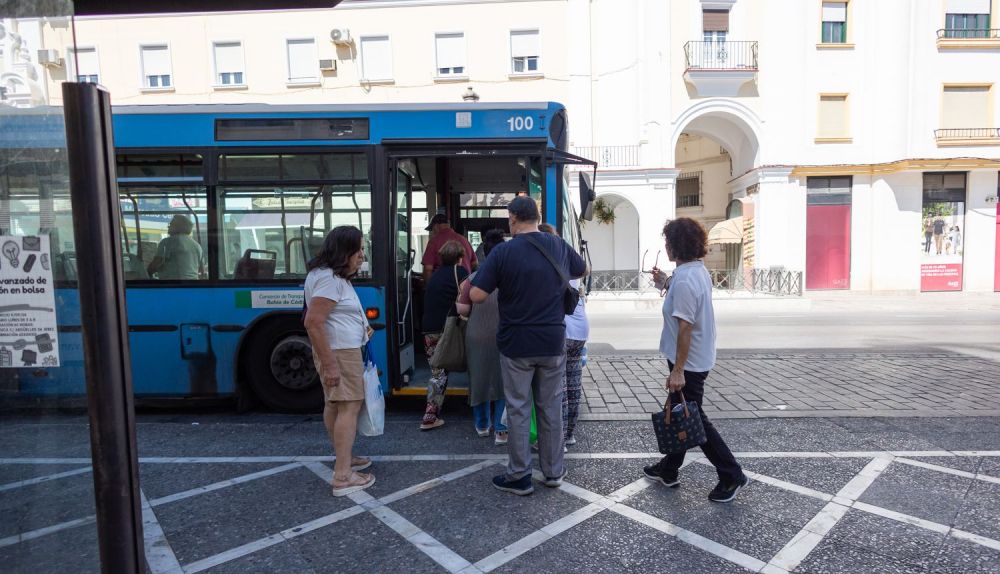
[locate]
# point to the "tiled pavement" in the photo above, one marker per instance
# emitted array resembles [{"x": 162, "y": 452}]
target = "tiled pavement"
[
  {"x": 803, "y": 383},
  {"x": 239, "y": 494}
]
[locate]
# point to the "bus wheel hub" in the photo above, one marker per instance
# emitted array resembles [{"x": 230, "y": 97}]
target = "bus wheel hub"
[{"x": 291, "y": 363}]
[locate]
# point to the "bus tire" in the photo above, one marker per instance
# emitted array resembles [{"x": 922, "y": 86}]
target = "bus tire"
[{"x": 278, "y": 366}]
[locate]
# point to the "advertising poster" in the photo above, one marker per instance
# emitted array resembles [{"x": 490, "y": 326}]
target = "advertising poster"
[
  {"x": 942, "y": 245},
  {"x": 27, "y": 303}
]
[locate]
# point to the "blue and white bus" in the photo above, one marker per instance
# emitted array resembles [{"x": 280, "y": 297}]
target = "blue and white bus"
[{"x": 261, "y": 185}]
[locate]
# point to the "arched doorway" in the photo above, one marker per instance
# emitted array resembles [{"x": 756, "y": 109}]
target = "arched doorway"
[
  {"x": 716, "y": 144},
  {"x": 613, "y": 236}
]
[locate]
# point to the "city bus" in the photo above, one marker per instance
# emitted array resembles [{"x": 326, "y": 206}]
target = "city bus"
[{"x": 258, "y": 187}]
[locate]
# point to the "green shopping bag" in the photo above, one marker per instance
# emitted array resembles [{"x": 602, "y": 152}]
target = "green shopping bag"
[{"x": 533, "y": 433}]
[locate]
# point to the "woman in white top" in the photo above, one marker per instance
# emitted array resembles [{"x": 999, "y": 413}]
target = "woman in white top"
[
  {"x": 338, "y": 329},
  {"x": 688, "y": 343},
  {"x": 577, "y": 332}
]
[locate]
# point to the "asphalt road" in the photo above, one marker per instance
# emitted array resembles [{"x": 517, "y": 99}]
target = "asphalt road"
[{"x": 963, "y": 325}]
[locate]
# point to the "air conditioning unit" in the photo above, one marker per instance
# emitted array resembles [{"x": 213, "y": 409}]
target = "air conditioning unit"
[
  {"x": 328, "y": 65},
  {"x": 341, "y": 36},
  {"x": 50, "y": 58}
]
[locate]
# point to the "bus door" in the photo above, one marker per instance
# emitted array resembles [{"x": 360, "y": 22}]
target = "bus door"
[
  {"x": 470, "y": 183},
  {"x": 401, "y": 182}
]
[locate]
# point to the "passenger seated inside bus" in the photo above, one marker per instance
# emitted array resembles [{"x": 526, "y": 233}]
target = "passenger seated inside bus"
[{"x": 177, "y": 256}]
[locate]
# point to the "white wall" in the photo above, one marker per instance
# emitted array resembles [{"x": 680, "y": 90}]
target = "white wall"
[{"x": 980, "y": 231}]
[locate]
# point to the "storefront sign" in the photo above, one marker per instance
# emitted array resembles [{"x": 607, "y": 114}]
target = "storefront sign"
[
  {"x": 28, "y": 335},
  {"x": 942, "y": 233}
]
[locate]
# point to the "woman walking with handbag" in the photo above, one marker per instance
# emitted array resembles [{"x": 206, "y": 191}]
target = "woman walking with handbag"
[
  {"x": 688, "y": 343},
  {"x": 439, "y": 303},
  {"x": 337, "y": 328},
  {"x": 483, "y": 355}
]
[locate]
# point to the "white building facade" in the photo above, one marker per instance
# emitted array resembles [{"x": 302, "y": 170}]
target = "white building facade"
[{"x": 855, "y": 142}]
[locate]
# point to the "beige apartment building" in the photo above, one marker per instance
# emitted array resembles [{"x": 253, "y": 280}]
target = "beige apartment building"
[{"x": 817, "y": 137}]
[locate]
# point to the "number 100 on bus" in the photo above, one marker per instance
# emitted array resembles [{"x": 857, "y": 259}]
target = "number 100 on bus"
[{"x": 521, "y": 123}]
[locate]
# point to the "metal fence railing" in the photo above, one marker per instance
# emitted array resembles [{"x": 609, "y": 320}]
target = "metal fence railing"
[
  {"x": 968, "y": 33},
  {"x": 735, "y": 55},
  {"x": 611, "y": 155},
  {"x": 765, "y": 281},
  {"x": 967, "y": 133}
]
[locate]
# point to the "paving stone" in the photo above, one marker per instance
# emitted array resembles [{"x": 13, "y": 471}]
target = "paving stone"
[
  {"x": 162, "y": 479},
  {"x": 489, "y": 519},
  {"x": 45, "y": 504},
  {"x": 54, "y": 552},
  {"x": 919, "y": 492},
  {"x": 211, "y": 523},
  {"x": 905, "y": 543},
  {"x": 964, "y": 557},
  {"x": 358, "y": 544},
  {"x": 827, "y": 475},
  {"x": 612, "y": 544},
  {"x": 835, "y": 557}
]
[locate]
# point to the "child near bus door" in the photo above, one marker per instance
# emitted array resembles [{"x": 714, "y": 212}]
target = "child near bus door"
[
  {"x": 439, "y": 302},
  {"x": 577, "y": 332},
  {"x": 337, "y": 328}
]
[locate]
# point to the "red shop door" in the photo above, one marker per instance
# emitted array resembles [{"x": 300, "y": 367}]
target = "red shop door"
[{"x": 828, "y": 246}]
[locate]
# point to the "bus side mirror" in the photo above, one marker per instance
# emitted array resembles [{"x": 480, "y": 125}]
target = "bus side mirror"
[{"x": 587, "y": 196}]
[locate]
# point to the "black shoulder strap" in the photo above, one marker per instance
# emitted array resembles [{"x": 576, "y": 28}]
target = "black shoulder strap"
[{"x": 538, "y": 246}]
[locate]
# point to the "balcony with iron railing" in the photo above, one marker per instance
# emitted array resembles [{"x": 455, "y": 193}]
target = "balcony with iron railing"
[
  {"x": 720, "y": 68},
  {"x": 967, "y": 137},
  {"x": 611, "y": 155},
  {"x": 968, "y": 38}
]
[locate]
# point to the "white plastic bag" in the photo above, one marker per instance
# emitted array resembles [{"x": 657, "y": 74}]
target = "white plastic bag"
[{"x": 371, "y": 421}]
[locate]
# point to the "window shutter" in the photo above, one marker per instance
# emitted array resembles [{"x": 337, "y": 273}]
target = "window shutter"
[
  {"x": 86, "y": 61},
  {"x": 524, "y": 44},
  {"x": 155, "y": 61},
  {"x": 450, "y": 50},
  {"x": 228, "y": 58},
  {"x": 376, "y": 58},
  {"x": 302, "y": 61},
  {"x": 967, "y": 7},
  {"x": 835, "y": 11},
  {"x": 715, "y": 20},
  {"x": 965, "y": 107},
  {"x": 833, "y": 117}
]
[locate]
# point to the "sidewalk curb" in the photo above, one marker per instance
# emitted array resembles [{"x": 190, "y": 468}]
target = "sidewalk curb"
[{"x": 866, "y": 413}]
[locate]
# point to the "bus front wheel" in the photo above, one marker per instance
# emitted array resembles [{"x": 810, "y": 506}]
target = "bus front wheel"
[{"x": 279, "y": 367}]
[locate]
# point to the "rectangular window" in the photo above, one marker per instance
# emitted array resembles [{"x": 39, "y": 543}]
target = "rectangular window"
[
  {"x": 229, "y": 64},
  {"x": 165, "y": 233},
  {"x": 715, "y": 20},
  {"x": 965, "y": 107},
  {"x": 155, "y": 67},
  {"x": 834, "y": 23},
  {"x": 689, "y": 189},
  {"x": 303, "y": 64},
  {"x": 967, "y": 19},
  {"x": 834, "y": 121},
  {"x": 524, "y": 50},
  {"x": 271, "y": 228},
  {"x": 376, "y": 58},
  {"x": 83, "y": 62},
  {"x": 450, "y": 53}
]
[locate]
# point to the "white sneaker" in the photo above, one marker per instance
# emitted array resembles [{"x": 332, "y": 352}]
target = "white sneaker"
[{"x": 571, "y": 441}]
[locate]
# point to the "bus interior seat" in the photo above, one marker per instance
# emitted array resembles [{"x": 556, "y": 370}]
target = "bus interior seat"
[
  {"x": 133, "y": 267},
  {"x": 256, "y": 264}
]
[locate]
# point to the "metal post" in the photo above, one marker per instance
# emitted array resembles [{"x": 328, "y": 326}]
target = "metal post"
[{"x": 94, "y": 193}]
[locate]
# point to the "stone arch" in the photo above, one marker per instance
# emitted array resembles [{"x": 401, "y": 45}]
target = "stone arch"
[
  {"x": 729, "y": 122},
  {"x": 615, "y": 246}
]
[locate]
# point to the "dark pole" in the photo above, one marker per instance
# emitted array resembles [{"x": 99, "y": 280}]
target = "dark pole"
[{"x": 94, "y": 194}]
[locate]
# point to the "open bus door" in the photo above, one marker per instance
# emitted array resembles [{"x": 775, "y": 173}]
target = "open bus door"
[{"x": 401, "y": 182}]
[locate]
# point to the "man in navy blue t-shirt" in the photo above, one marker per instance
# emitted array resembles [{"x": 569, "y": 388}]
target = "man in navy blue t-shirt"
[{"x": 531, "y": 338}]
